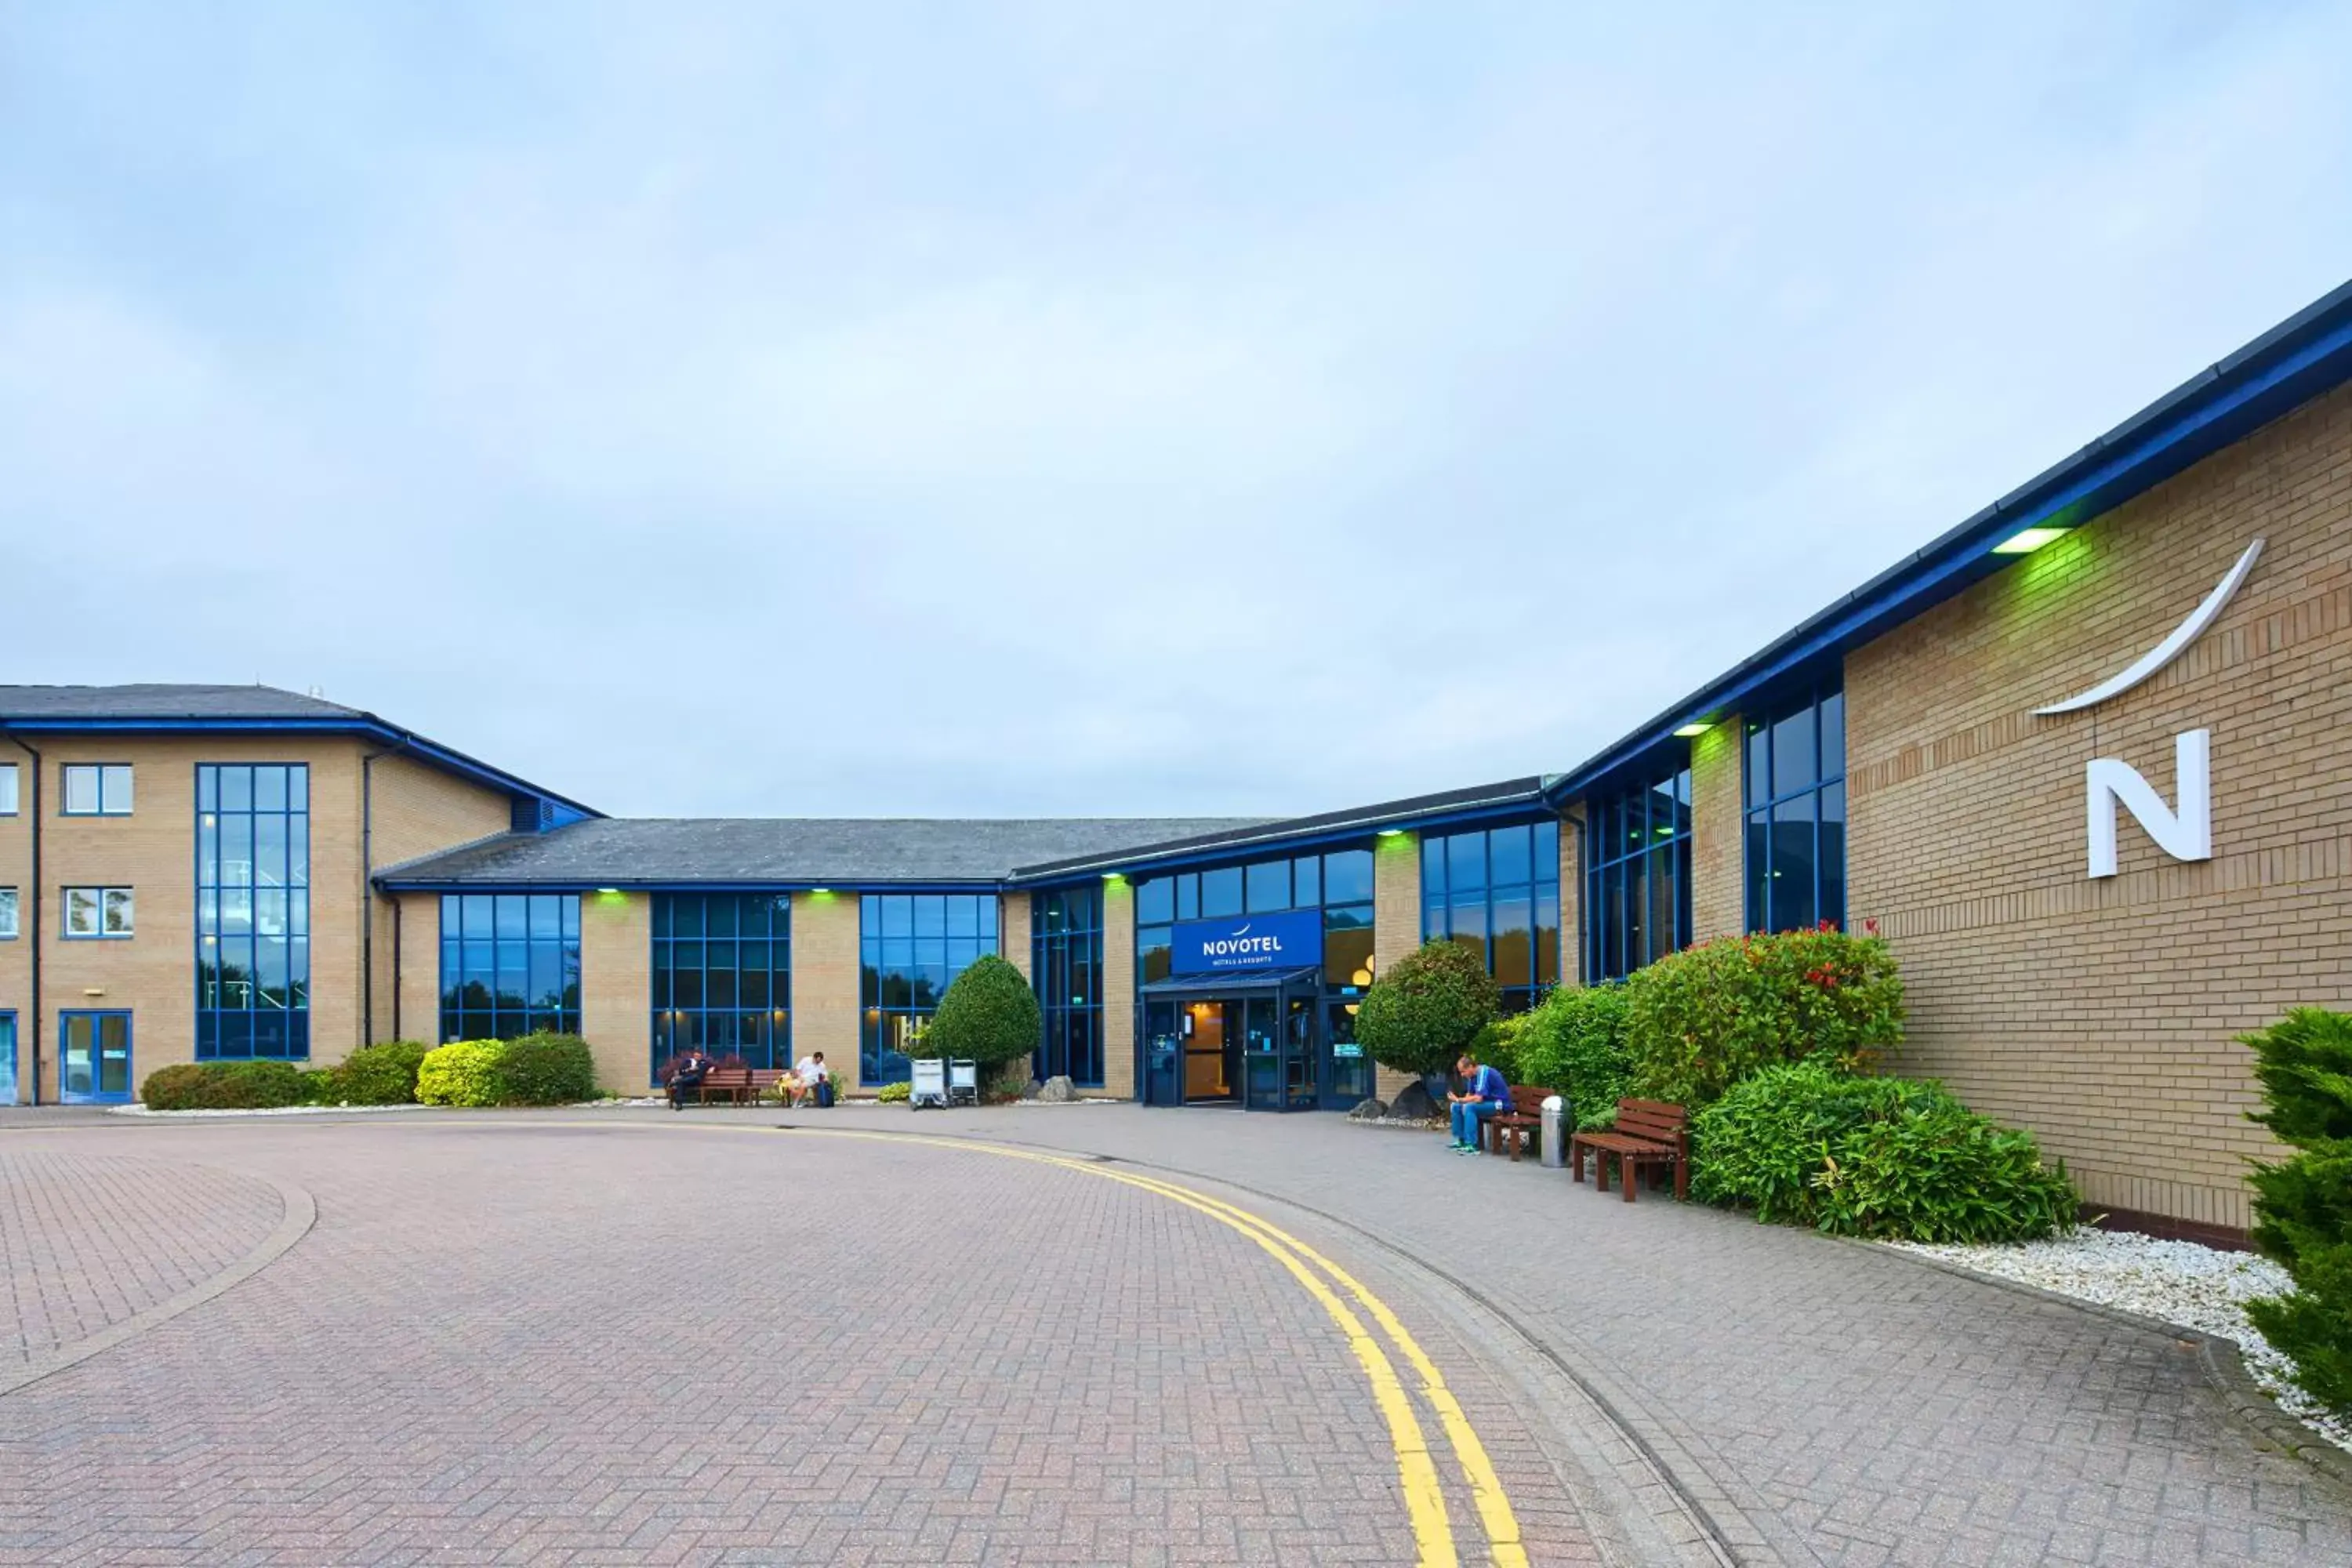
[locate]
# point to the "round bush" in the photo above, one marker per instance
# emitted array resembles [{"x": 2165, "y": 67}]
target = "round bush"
[
  {"x": 1574, "y": 1044},
  {"x": 462, "y": 1072},
  {"x": 989, "y": 1015},
  {"x": 382, "y": 1074},
  {"x": 227, "y": 1085},
  {"x": 1698, "y": 1021},
  {"x": 1428, "y": 1008},
  {"x": 546, "y": 1069},
  {"x": 1882, "y": 1157}
]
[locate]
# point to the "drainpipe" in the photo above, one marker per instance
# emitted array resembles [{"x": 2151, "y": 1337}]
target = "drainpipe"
[
  {"x": 395, "y": 971},
  {"x": 35, "y": 1009}
]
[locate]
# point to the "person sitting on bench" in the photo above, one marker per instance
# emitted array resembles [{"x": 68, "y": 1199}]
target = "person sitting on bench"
[
  {"x": 687, "y": 1073},
  {"x": 810, "y": 1076},
  {"x": 1484, "y": 1093}
]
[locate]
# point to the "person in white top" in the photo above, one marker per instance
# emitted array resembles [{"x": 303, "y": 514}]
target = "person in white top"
[{"x": 811, "y": 1073}]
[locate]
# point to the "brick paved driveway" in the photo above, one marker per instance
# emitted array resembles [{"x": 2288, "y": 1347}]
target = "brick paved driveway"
[{"x": 523, "y": 1339}]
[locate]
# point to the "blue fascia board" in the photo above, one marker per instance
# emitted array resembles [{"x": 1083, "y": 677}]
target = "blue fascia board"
[
  {"x": 675, "y": 885},
  {"x": 367, "y": 726},
  {"x": 2287, "y": 366},
  {"x": 1533, "y": 808}
]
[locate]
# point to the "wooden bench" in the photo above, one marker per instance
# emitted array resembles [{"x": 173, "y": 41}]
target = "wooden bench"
[
  {"x": 763, "y": 1079},
  {"x": 1517, "y": 1127},
  {"x": 1648, "y": 1132},
  {"x": 733, "y": 1083}
]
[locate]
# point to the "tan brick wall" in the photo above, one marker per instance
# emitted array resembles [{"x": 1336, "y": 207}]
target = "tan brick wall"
[
  {"x": 17, "y": 957},
  {"x": 414, "y": 945},
  {"x": 1012, "y": 933},
  {"x": 1718, "y": 885},
  {"x": 1396, "y": 924},
  {"x": 825, "y": 993},
  {"x": 1571, "y": 897},
  {"x": 617, "y": 987},
  {"x": 1119, "y": 989},
  {"x": 2101, "y": 1013},
  {"x": 418, "y": 810}
]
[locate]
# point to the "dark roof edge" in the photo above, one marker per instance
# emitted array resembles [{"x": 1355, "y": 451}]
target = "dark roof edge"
[
  {"x": 355, "y": 722},
  {"x": 1444, "y": 805},
  {"x": 2308, "y": 353}
]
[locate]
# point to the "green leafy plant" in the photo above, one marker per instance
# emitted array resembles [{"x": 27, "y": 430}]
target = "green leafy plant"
[
  {"x": 546, "y": 1068},
  {"x": 462, "y": 1072},
  {"x": 2303, "y": 1205},
  {"x": 1497, "y": 1045},
  {"x": 893, "y": 1093},
  {"x": 989, "y": 1016},
  {"x": 227, "y": 1086},
  {"x": 1427, "y": 1009},
  {"x": 382, "y": 1074},
  {"x": 1698, "y": 1021},
  {"x": 1891, "y": 1158},
  {"x": 1574, "y": 1044}
]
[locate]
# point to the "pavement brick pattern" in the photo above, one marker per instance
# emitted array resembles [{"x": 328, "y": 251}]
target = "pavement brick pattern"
[
  {"x": 88, "y": 1240},
  {"x": 653, "y": 1343}
]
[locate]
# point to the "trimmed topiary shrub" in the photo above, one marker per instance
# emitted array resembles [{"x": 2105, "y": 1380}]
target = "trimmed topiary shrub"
[
  {"x": 462, "y": 1072},
  {"x": 1574, "y": 1043},
  {"x": 989, "y": 1016},
  {"x": 1882, "y": 1157},
  {"x": 227, "y": 1086},
  {"x": 382, "y": 1074},
  {"x": 546, "y": 1068},
  {"x": 2303, "y": 1207},
  {"x": 893, "y": 1093},
  {"x": 1427, "y": 1009},
  {"x": 1698, "y": 1021}
]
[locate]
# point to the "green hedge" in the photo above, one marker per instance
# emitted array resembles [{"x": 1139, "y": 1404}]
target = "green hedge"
[
  {"x": 893, "y": 1093},
  {"x": 1700, "y": 1020},
  {"x": 536, "y": 1069},
  {"x": 1574, "y": 1043},
  {"x": 230, "y": 1086},
  {"x": 1428, "y": 1008},
  {"x": 2303, "y": 1205},
  {"x": 1884, "y": 1157},
  {"x": 380, "y": 1075},
  {"x": 989, "y": 1016}
]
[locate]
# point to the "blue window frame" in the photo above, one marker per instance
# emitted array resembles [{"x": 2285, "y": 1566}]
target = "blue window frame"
[
  {"x": 510, "y": 964},
  {"x": 910, "y": 948},
  {"x": 94, "y": 789},
  {"x": 7, "y": 914},
  {"x": 253, "y": 911},
  {"x": 94, "y": 1056},
  {"x": 1496, "y": 891},
  {"x": 1795, "y": 795},
  {"x": 723, "y": 977},
  {"x": 95, "y": 914},
  {"x": 1637, "y": 887},
  {"x": 1065, "y": 965}
]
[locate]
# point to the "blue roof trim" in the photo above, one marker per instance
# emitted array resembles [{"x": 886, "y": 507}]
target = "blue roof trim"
[
  {"x": 2304, "y": 356},
  {"x": 367, "y": 725},
  {"x": 674, "y": 885}
]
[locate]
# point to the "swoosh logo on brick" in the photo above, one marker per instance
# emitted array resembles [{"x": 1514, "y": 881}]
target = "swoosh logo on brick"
[{"x": 2165, "y": 652}]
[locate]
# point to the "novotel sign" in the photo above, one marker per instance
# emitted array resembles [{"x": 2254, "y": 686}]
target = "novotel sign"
[{"x": 1292, "y": 941}]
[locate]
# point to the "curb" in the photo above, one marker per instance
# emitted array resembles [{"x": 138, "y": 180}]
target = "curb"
[{"x": 2219, "y": 1358}]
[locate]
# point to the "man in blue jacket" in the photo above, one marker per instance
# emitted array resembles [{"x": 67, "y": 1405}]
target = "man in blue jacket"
[{"x": 1484, "y": 1093}]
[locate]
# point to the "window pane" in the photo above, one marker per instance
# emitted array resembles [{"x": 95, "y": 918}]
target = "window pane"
[
  {"x": 1660, "y": 925},
  {"x": 1792, "y": 751},
  {"x": 81, "y": 789},
  {"x": 1220, "y": 893},
  {"x": 1307, "y": 872},
  {"x": 269, "y": 789},
  {"x": 1833, "y": 735},
  {"x": 7, "y": 912},
  {"x": 1833, "y": 853},
  {"x": 1547, "y": 851},
  {"x": 1348, "y": 959},
  {"x": 1758, "y": 860},
  {"x": 82, "y": 912},
  {"x": 1155, "y": 902},
  {"x": 931, "y": 914},
  {"x": 963, "y": 916},
  {"x": 7, "y": 791},
  {"x": 1348, "y": 876},
  {"x": 1793, "y": 864},
  {"x": 1760, "y": 765},
  {"x": 1188, "y": 897},
  {"x": 118, "y": 911},
  {"x": 1511, "y": 855},
  {"x": 1546, "y": 939},
  {"x": 115, "y": 789},
  {"x": 1513, "y": 940},
  {"x": 1466, "y": 864},
  {"x": 1267, "y": 887}
]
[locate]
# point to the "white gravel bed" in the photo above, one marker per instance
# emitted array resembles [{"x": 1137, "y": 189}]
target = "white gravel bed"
[
  {"x": 2178, "y": 1283},
  {"x": 270, "y": 1111}
]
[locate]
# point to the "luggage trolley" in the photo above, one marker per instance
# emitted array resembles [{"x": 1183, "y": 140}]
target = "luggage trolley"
[
  {"x": 963, "y": 1083},
  {"x": 929, "y": 1085}
]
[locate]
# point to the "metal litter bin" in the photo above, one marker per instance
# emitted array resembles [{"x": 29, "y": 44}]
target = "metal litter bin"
[{"x": 1555, "y": 1131}]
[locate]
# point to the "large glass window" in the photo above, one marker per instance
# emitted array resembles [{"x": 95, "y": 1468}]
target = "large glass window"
[
  {"x": 7, "y": 789},
  {"x": 97, "y": 789},
  {"x": 1637, "y": 886},
  {"x": 510, "y": 964},
  {"x": 253, "y": 911},
  {"x": 1066, "y": 956},
  {"x": 99, "y": 913},
  {"x": 911, "y": 946},
  {"x": 7, "y": 921},
  {"x": 1496, "y": 891},
  {"x": 723, "y": 977},
  {"x": 1796, "y": 813}
]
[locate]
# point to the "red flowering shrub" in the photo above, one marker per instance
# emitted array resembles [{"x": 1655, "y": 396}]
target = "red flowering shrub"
[{"x": 1700, "y": 1020}]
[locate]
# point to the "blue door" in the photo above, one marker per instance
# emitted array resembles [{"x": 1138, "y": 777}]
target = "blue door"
[
  {"x": 7, "y": 1059},
  {"x": 94, "y": 1057}
]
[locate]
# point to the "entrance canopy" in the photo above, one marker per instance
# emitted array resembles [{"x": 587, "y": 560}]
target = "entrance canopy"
[{"x": 1236, "y": 982}]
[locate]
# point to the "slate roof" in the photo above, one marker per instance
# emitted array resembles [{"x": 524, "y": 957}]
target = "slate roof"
[
  {"x": 808, "y": 851},
  {"x": 29, "y": 705}
]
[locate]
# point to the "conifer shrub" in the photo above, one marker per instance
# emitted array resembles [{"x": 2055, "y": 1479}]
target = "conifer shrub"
[{"x": 2303, "y": 1205}]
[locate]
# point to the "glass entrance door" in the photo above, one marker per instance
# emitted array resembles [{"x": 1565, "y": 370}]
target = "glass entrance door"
[
  {"x": 1163, "y": 1056},
  {"x": 1262, "y": 1054},
  {"x": 7, "y": 1059},
  {"x": 1212, "y": 1051},
  {"x": 93, "y": 1058}
]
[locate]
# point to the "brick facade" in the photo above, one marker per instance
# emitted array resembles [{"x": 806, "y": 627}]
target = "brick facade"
[
  {"x": 616, "y": 959},
  {"x": 2101, "y": 1013},
  {"x": 1718, "y": 888},
  {"x": 827, "y": 998},
  {"x": 1118, "y": 989}
]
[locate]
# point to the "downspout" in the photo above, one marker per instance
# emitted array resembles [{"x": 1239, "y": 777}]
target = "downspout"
[
  {"x": 396, "y": 967},
  {"x": 27, "y": 748}
]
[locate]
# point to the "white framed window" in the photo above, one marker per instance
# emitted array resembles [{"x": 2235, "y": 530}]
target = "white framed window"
[
  {"x": 7, "y": 914},
  {"x": 97, "y": 789},
  {"x": 97, "y": 911},
  {"x": 7, "y": 789}
]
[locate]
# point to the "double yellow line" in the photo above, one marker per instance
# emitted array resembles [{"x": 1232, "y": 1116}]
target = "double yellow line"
[{"x": 1318, "y": 1275}]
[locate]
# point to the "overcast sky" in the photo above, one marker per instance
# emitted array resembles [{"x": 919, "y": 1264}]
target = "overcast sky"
[{"x": 849, "y": 409}]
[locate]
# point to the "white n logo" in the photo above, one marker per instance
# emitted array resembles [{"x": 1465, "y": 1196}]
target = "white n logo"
[{"x": 2185, "y": 835}]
